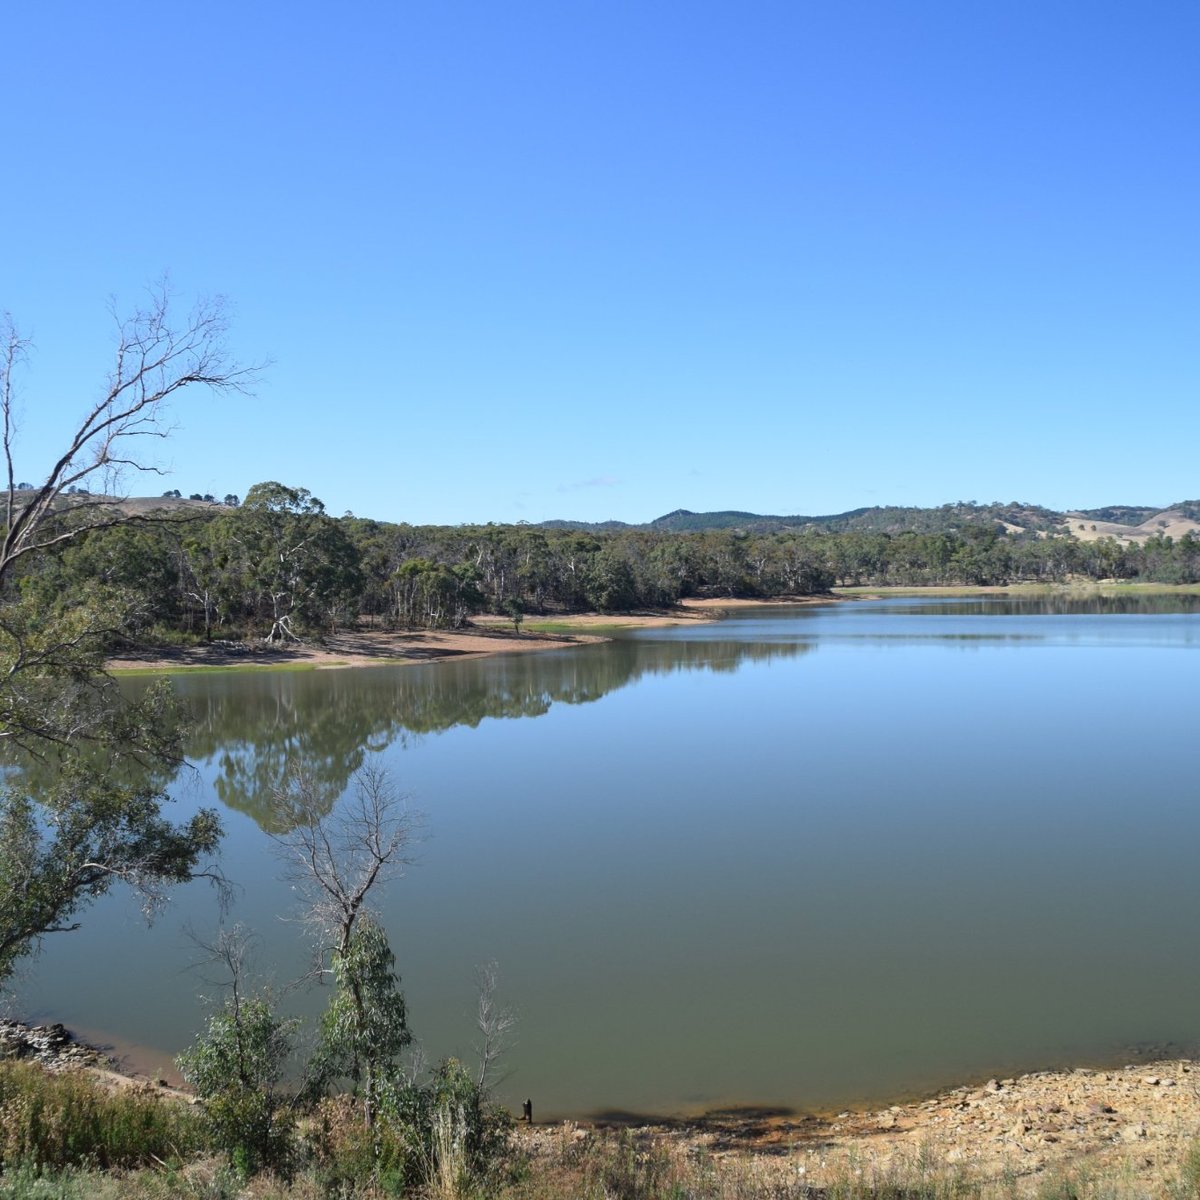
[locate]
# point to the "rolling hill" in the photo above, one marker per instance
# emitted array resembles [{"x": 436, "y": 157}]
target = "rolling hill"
[{"x": 1128, "y": 523}]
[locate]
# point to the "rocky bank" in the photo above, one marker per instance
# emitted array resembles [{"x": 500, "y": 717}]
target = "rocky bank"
[
  {"x": 1136, "y": 1123},
  {"x": 52, "y": 1046}
]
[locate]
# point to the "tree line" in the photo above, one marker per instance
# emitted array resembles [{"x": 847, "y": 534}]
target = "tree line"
[{"x": 279, "y": 566}]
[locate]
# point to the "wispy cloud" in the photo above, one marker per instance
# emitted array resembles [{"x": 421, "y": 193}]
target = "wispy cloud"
[{"x": 597, "y": 481}]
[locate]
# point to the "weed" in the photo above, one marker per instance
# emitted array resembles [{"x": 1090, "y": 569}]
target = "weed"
[{"x": 68, "y": 1120}]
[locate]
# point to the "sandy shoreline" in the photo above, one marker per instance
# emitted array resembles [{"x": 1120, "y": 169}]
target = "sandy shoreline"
[{"x": 488, "y": 635}]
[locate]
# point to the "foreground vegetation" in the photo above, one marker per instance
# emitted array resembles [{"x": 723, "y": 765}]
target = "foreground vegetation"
[
  {"x": 67, "y": 1135},
  {"x": 67, "y": 1138}
]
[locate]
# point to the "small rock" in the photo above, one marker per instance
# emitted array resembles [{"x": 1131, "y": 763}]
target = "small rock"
[{"x": 1131, "y": 1133}]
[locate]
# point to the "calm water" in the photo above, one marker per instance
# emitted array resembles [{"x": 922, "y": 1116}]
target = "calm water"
[{"x": 802, "y": 856}]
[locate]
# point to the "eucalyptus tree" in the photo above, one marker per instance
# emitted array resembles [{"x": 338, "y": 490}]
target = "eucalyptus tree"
[
  {"x": 294, "y": 566},
  {"x": 236, "y": 1065},
  {"x": 432, "y": 594},
  {"x": 337, "y": 857},
  {"x": 88, "y": 816}
]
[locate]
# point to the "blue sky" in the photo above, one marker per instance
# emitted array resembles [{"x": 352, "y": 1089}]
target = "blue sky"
[{"x": 512, "y": 261}]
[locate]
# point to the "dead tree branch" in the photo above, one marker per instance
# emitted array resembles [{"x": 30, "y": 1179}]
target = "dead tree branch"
[{"x": 155, "y": 359}]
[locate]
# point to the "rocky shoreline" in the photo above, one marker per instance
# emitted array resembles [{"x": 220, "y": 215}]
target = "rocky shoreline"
[
  {"x": 51, "y": 1046},
  {"x": 1136, "y": 1123}
]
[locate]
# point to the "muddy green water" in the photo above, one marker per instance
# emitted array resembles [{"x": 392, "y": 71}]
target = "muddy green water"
[{"x": 801, "y": 856}]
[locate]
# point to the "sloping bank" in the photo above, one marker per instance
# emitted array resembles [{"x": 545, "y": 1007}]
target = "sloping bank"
[{"x": 1124, "y": 1131}]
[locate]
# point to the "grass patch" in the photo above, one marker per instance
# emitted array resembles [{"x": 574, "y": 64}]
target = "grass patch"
[
  {"x": 221, "y": 669},
  {"x": 68, "y": 1120},
  {"x": 570, "y": 628}
]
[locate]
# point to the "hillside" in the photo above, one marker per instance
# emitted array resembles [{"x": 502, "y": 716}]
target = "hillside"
[
  {"x": 1170, "y": 522},
  {"x": 134, "y": 505},
  {"x": 1128, "y": 523}
]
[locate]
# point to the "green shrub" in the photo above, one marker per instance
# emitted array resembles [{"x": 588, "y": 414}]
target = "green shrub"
[
  {"x": 29, "y": 1183},
  {"x": 365, "y": 1028},
  {"x": 455, "y": 1137},
  {"x": 443, "y": 1135},
  {"x": 235, "y": 1067}
]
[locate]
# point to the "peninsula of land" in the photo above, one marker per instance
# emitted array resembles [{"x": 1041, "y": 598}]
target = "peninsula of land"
[{"x": 485, "y": 636}]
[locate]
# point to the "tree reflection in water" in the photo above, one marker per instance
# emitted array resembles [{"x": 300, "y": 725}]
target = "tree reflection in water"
[{"x": 253, "y": 725}]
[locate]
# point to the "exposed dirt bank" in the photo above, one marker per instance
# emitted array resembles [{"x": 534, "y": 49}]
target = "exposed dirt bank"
[
  {"x": 1079, "y": 588},
  {"x": 367, "y": 648},
  {"x": 359, "y": 648}
]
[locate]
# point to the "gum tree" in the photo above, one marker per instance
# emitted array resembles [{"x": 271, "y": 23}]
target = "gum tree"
[
  {"x": 82, "y": 802},
  {"x": 337, "y": 857},
  {"x": 292, "y": 561}
]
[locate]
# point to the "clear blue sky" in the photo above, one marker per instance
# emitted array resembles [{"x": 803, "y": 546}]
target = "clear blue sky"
[{"x": 604, "y": 259}]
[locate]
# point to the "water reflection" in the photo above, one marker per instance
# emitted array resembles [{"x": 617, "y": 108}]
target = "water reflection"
[
  {"x": 1129, "y": 620},
  {"x": 253, "y": 726},
  {"x": 1058, "y": 605}
]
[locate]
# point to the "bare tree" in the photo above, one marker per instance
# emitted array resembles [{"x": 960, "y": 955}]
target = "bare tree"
[
  {"x": 224, "y": 961},
  {"x": 336, "y": 858},
  {"x": 495, "y": 1022},
  {"x": 337, "y": 854},
  {"x": 155, "y": 359},
  {"x": 73, "y": 822}
]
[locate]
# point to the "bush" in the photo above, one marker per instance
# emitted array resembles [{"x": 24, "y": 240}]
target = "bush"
[
  {"x": 455, "y": 1136},
  {"x": 350, "y": 1156},
  {"x": 235, "y": 1067}
]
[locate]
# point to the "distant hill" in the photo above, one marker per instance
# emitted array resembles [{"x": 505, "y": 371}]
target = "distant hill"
[
  {"x": 1133, "y": 523},
  {"x": 589, "y": 526},
  {"x": 1171, "y": 522},
  {"x": 133, "y": 505}
]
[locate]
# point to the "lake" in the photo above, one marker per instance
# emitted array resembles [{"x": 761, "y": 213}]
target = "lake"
[{"x": 803, "y": 856}]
